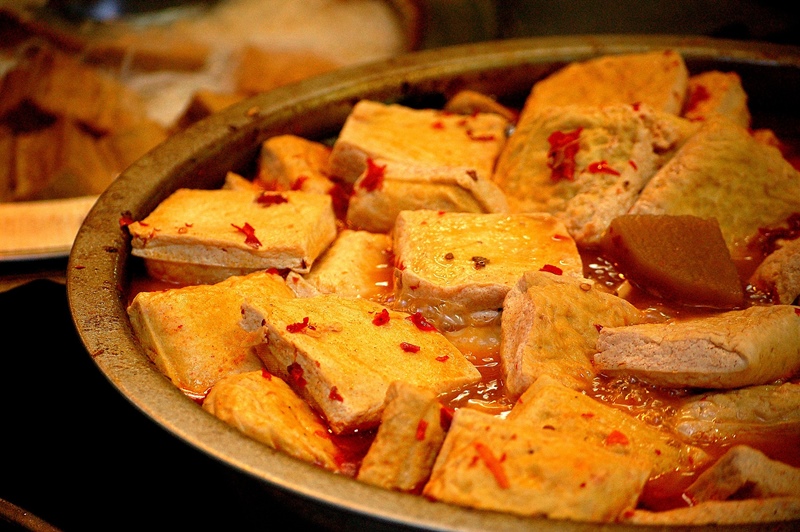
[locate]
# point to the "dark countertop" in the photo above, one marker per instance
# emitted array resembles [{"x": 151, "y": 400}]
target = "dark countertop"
[{"x": 77, "y": 455}]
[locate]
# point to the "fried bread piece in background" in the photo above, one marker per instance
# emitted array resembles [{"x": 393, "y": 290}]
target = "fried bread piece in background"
[
  {"x": 341, "y": 354},
  {"x": 264, "y": 407},
  {"x": 550, "y": 325},
  {"x": 757, "y": 345},
  {"x": 505, "y": 465},
  {"x": 192, "y": 334},
  {"x": 408, "y": 440}
]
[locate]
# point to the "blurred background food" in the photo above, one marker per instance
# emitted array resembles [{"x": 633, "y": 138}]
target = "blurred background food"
[{"x": 88, "y": 86}]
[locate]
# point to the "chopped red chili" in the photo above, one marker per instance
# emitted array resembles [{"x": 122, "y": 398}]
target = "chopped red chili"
[
  {"x": 126, "y": 219},
  {"x": 266, "y": 374},
  {"x": 616, "y": 437},
  {"x": 299, "y": 182},
  {"x": 438, "y": 125},
  {"x": 373, "y": 179},
  {"x": 697, "y": 95},
  {"x": 334, "y": 395},
  {"x": 601, "y": 167},
  {"x": 472, "y": 174},
  {"x": 381, "y": 318},
  {"x": 422, "y": 426},
  {"x": 551, "y": 269},
  {"x": 443, "y": 358},
  {"x": 296, "y": 374},
  {"x": 266, "y": 199},
  {"x": 493, "y": 464},
  {"x": 419, "y": 320},
  {"x": 561, "y": 156},
  {"x": 250, "y": 235},
  {"x": 481, "y": 138},
  {"x": 298, "y": 327},
  {"x": 409, "y": 348},
  {"x": 633, "y": 164}
]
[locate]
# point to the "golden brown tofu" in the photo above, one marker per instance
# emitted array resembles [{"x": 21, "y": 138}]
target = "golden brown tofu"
[
  {"x": 407, "y": 442},
  {"x": 451, "y": 266},
  {"x": 719, "y": 513},
  {"x": 236, "y": 229},
  {"x": 717, "y": 93},
  {"x": 266, "y": 409},
  {"x": 261, "y": 69},
  {"x": 416, "y": 137},
  {"x": 289, "y": 162},
  {"x": 550, "y": 325},
  {"x": 498, "y": 464},
  {"x": 192, "y": 334},
  {"x": 732, "y": 349},
  {"x": 779, "y": 273},
  {"x": 341, "y": 354}
]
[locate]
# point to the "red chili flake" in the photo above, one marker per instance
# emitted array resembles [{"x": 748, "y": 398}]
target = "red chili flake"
[
  {"x": 409, "y": 348},
  {"x": 767, "y": 237},
  {"x": 587, "y": 415},
  {"x": 274, "y": 271},
  {"x": 373, "y": 180},
  {"x": 438, "y": 125},
  {"x": 419, "y": 320},
  {"x": 797, "y": 311},
  {"x": 334, "y": 395},
  {"x": 381, "y": 318},
  {"x": 472, "y": 174},
  {"x": 481, "y": 138},
  {"x": 401, "y": 266},
  {"x": 422, "y": 426},
  {"x": 446, "y": 417},
  {"x": 616, "y": 437},
  {"x": 299, "y": 182},
  {"x": 296, "y": 374},
  {"x": 598, "y": 327},
  {"x": 633, "y": 164},
  {"x": 298, "y": 327},
  {"x": 266, "y": 199},
  {"x": 561, "y": 156},
  {"x": 443, "y": 358},
  {"x": 636, "y": 105},
  {"x": 560, "y": 238},
  {"x": 126, "y": 219},
  {"x": 551, "y": 269},
  {"x": 601, "y": 167},
  {"x": 658, "y": 452},
  {"x": 266, "y": 374},
  {"x": 250, "y": 235},
  {"x": 697, "y": 95},
  {"x": 494, "y": 465},
  {"x": 79, "y": 267}
]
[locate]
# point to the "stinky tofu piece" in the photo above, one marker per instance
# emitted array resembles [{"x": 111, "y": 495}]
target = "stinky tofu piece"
[
  {"x": 341, "y": 354},
  {"x": 586, "y": 165},
  {"x": 422, "y": 137},
  {"x": 234, "y": 181},
  {"x": 357, "y": 264},
  {"x": 127, "y": 146},
  {"x": 265, "y": 408},
  {"x": 468, "y": 102},
  {"x": 658, "y": 79},
  {"x": 730, "y": 512},
  {"x": 289, "y": 162},
  {"x": 567, "y": 412},
  {"x": 451, "y": 266},
  {"x": 192, "y": 334},
  {"x": 779, "y": 273},
  {"x": 732, "y": 349},
  {"x": 205, "y": 102},
  {"x": 498, "y": 464},
  {"x": 236, "y": 229},
  {"x": 722, "y": 172},
  {"x": 388, "y": 187},
  {"x": 550, "y": 325},
  {"x": 742, "y": 466},
  {"x": 261, "y": 69},
  {"x": 717, "y": 93},
  {"x": 407, "y": 442},
  {"x": 723, "y": 416}
]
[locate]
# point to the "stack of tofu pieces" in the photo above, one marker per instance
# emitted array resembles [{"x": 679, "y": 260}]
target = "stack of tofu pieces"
[{"x": 324, "y": 296}]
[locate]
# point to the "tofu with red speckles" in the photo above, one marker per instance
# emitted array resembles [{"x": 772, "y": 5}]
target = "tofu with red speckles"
[
  {"x": 289, "y": 162},
  {"x": 206, "y": 235},
  {"x": 341, "y": 354},
  {"x": 456, "y": 268},
  {"x": 717, "y": 93}
]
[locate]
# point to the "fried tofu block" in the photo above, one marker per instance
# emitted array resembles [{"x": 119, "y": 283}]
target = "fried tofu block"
[
  {"x": 586, "y": 165},
  {"x": 265, "y": 408},
  {"x": 341, "y": 354},
  {"x": 733, "y": 512},
  {"x": 126, "y": 146},
  {"x": 724, "y": 416},
  {"x": 357, "y": 264},
  {"x": 261, "y": 69},
  {"x": 550, "y": 325},
  {"x": 722, "y": 172},
  {"x": 289, "y": 162},
  {"x": 732, "y": 349},
  {"x": 420, "y": 137},
  {"x": 388, "y": 187},
  {"x": 658, "y": 79},
  {"x": 717, "y": 93},
  {"x": 498, "y": 464},
  {"x": 468, "y": 102},
  {"x": 192, "y": 334},
  {"x": 407, "y": 442},
  {"x": 570, "y": 413},
  {"x": 236, "y": 229},
  {"x": 744, "y": 467},
  {"x": 451, "y": 266},
  {"x": 779, "y": 273}
]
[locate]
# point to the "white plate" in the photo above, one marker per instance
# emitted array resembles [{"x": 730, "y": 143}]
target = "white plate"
[{"x": 31, "y": 230}]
